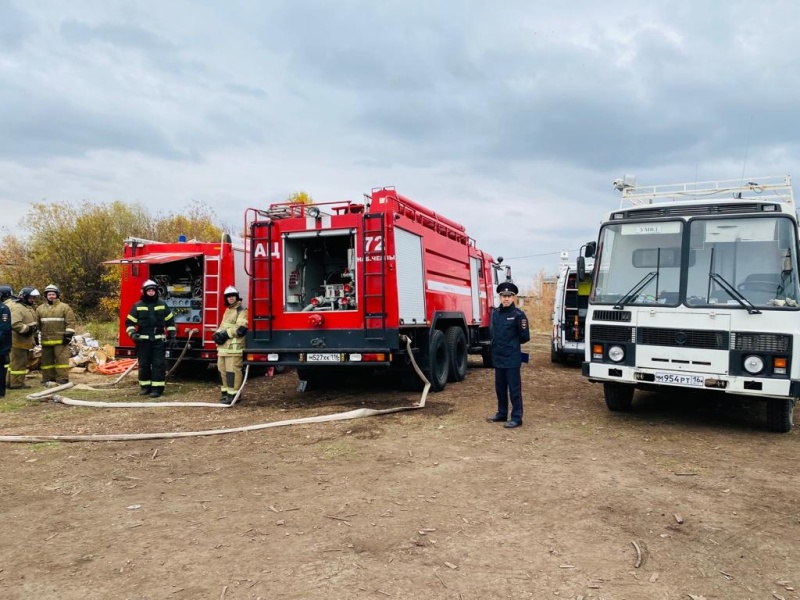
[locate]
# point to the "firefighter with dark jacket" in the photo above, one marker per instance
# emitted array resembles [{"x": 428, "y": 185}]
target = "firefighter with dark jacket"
[
  {"x": 24, "y": 327},
  {"x": 57, "y": 324},
  {"x": 150, "y": 323},
  {"x": 229, "y": 338},
  {"x": 509, "y": 332},
  {"x": 5, "y": 336}
]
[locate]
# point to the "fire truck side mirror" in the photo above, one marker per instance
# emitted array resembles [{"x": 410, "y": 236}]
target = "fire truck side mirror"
[
  {"x": 591, "y": 247},
  {"x": 581, "y": 268}
]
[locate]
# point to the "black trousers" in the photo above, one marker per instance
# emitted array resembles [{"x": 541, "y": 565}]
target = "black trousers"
[
  {"x": 152, "y": 363},
  {"x": 3, "y": 370},
  {"x": 509, "y": 382}
]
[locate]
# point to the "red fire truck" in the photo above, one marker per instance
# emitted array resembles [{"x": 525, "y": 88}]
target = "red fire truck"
[
  {"x": 335, "y": 286},
  {"x": 191, "y": 277}
]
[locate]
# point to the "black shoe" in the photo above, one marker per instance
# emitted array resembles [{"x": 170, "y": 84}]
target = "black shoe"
[
  {"x": 144, "y": 391},
  {"x": 62, "y": 381},
  {"x": 228, "y": 399},
  {"x": 512, "y": 424},
  {"x": 224, "y": 397},
  {"x": 155, "y": 394},
  {"x": 498, "y": 418}
]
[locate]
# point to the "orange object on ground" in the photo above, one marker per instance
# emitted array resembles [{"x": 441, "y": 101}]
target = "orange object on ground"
[{"x": 115, "y": 367}]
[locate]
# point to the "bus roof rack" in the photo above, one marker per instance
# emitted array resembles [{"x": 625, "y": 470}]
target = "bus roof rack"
[{"x": 764, "y": 189}]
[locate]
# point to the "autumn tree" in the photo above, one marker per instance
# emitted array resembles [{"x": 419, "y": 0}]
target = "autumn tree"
[{"x": 68, "y": 243}]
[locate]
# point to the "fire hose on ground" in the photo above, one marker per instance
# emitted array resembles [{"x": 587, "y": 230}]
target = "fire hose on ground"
[{"x": 343, "y": 416}]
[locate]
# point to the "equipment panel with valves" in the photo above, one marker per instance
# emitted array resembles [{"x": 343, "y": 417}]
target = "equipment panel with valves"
[{"x": 180, "y": 285}]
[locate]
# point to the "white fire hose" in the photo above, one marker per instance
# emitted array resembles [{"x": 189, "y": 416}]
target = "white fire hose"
[{"x": 343, "y": 416}]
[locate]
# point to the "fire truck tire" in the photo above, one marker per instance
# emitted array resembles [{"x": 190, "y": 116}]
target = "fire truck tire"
[
  {"x": 457, "y": 349},
  {"x": 311, "y": 377},
  {"x": 437, "y": 362},
  {"x": 619, "y": 396},
  {"x": 779, "y": 414}
]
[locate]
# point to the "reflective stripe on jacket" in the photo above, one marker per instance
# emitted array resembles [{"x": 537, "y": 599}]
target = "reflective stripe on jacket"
[
  {"x": 150, "y": 320},
  {"x": 55, "y": 320},
  {"x": 233, "y": 317}
]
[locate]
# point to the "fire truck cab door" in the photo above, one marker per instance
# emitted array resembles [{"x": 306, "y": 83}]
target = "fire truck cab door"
[
  {"x": 474, "y": 272},
  {"x": 410, "y": 276}
]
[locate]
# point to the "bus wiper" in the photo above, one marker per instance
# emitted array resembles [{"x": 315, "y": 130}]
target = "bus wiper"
[
  {"x": 634, "y": 291},
  {"x": 734, "y": 293}
]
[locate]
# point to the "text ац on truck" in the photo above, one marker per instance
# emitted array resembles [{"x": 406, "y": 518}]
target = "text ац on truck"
[{"x": 341, "y": 289}]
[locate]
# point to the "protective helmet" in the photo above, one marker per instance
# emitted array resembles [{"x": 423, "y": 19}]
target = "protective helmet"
[
  {"x": 231, "y": 291},
  {"x": 27, "y": 294},
  {"x": 52, "y": 288},
  {"x": 6, "y": 291},
  {"x": 149, "y": 284}
]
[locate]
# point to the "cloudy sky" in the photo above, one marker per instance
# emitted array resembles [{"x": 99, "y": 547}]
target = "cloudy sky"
[{"x": 512, "y": 117}]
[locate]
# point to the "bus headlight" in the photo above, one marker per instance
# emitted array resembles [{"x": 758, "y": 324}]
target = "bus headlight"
[
  {"x": 753, "y": 364},
  {"x": 616, "y": 353}
]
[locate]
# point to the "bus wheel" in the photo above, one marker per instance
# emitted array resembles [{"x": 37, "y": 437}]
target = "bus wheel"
[
  {"x": 619, "y": 396},
  {"x": 457, "y": 348},
  {"x": 779, "y": 414},
  {"x": 555, "y": 357},
  {"x": 437, "y": 362}
]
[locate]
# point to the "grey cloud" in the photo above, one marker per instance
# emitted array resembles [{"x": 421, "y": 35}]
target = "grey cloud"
[{"x": 15, "y": 26}]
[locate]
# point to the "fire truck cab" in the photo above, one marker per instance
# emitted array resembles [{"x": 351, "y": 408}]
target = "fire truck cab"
[{"x": 338, "y": 288}]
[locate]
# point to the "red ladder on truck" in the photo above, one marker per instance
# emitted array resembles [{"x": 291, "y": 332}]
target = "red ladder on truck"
[
  {"x": 261, "y": 281},
  {"x": 211, "y": 297},
  {"x": 373, "y": 277}
]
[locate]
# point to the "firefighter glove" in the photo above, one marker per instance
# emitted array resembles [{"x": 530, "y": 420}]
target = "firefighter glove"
[
  {"x": 241, "y": 330},
  {"x": 68, "y": 336},
  {"x": 220, "y": 337},
  {"x": 136, "y": 336}
]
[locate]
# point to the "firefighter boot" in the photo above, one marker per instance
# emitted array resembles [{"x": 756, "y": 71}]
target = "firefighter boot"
[
  {"x": 156, "y": 392},
  {"x": 144, "y": 390},
  {"x": 223, "y": 397}
]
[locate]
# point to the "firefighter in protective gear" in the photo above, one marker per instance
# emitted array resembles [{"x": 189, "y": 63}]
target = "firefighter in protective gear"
[
  {"x": 24, "y": 327},
  {"x": 150, "y": 323},
  {"x": 57, "y": 324},
  {"x": 229, "y": 338},
  {"x": 6, "y": 294}
]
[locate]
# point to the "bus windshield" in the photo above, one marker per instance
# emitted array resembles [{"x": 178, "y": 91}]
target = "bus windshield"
[
  {"x": 755, "y": 257},
  {"x": 742, "y": 263},
  {"x": 639, "y": 263}
]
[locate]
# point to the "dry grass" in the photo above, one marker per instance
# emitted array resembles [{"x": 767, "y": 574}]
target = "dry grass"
[{"x": 537, "y": 302}]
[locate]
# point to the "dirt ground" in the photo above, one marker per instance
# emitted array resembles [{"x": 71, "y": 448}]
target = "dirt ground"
[{"x": 433, "y": 503}]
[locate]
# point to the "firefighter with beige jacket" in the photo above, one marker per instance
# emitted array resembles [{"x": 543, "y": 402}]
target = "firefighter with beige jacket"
[
  {"x": 57, "y": 323},
  {"x": 229, "y": 338}
]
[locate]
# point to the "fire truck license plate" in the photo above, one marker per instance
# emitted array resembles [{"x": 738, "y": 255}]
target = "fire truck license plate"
[
  {"x": 317, "y": 357},
  {"x": 677, "y": 379}
]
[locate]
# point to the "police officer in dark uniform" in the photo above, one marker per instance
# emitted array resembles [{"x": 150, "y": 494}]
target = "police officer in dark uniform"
[{"x": 509, "y": 332}]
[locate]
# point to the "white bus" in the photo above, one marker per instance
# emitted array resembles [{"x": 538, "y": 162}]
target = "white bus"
[{"x": 695, "y": 286}]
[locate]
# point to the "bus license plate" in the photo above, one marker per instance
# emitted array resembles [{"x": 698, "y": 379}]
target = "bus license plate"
[
  {"x": 319, "y": 357},
  {"x": 680, "y": 379}
]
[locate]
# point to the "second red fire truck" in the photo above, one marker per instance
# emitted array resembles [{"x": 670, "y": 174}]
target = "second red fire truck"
[{"x": 337, "y": 287}]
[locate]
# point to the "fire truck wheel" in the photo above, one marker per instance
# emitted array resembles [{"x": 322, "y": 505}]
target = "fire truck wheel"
[
  {"x": 457, "y": 349},
  {"x": 779, "y": 414},
  {"x": 619, "y": 396},
  {"x": 437, "y": 362}
]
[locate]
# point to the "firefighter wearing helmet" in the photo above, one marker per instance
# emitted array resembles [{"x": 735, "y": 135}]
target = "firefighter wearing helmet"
[
  {"x": 150, "y": 323},
  {"x": 57, "y": 323},
  {"x": 229, "y": 338},
  {"x": 5, "y": 343},
  {"x": 24, "y": 327}
]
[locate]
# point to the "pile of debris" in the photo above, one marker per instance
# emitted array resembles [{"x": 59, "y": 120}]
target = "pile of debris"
[{"x": 88, "y": 354}]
